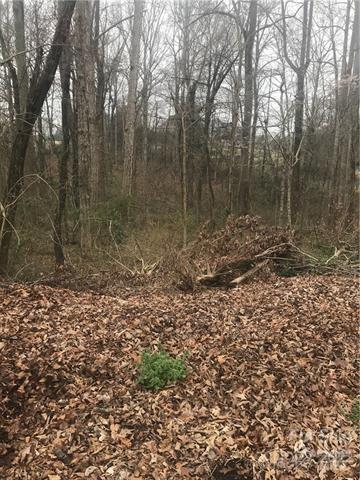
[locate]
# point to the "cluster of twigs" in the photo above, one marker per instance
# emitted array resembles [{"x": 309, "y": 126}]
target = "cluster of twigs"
[
  {"x": 246, "y": 248},
  {"x": 344, "y": 261}
]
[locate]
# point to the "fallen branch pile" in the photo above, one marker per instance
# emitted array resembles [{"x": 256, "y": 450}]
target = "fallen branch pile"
[{"x": 246, "y": 248}]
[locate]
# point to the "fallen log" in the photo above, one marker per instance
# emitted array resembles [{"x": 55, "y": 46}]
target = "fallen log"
[
  {"x": 250, "y": 273},
  {"x": 223, "y": 274}
]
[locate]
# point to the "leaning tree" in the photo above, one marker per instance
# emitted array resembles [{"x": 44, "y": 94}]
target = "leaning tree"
[{"x": 39, "y": 85}]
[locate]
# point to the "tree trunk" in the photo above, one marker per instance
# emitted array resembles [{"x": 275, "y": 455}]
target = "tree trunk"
[
  {"x": 184, "y": 163},
  {"x": 354, "y": 105},
  {"x": 244, "y": 187},
  {"x": 289, "y": 194},
  {"x": 41, "y": 147},
  {"x": 65, "y": 68},
  {"x": 75, "y": 181},
  {"x": 256, "y": 110},
  {"x": 10, "y": 80},
  {"x": 300, "y": 69},
  {"x": 298, "y": 134},
  {"x": 129, "y": 154},
  {"x": 234, "y": 127},
  {"x": 22, "y": 71},
  {"x": 21, "y": 67},
  {"x": 99, "y": 54},
  {"x": 208, "y": 162},
  {"x": 88, "y": 157},
  {"x": 145, "y": 124}
]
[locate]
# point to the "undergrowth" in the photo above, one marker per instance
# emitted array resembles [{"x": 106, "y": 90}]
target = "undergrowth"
[
  {"x": 354, "y": 414},
  {"x": 157, "y": 369}
]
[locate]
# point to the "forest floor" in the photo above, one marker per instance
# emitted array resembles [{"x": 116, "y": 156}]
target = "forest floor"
[{"x": 272, "y": 379}]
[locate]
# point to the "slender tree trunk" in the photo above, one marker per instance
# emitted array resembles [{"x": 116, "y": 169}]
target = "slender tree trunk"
[
  {"x": 41, "y": 147},
  {"x": 282, "y": 195},
  {"x": 82, "y": 17},
  {"x": 183, "y": 117},
  {"x": 256, "y": 110},
  {"x": 298, "y": 135},
  {"x": 184, "y": 164},
  {"x": 145, "y": 125},
  {"x": 129, "y": 153},
  {"x": 234, "y": 127},
  {"x": 333, "y": 177},
  {"x": 21, "y": 67},
  {"x": 300, "y": 69},
  {"x": 65, "y": 69},
  {"x": 75, "y": 181},
  {"x": 116, "y": 133},
  {"x": 39, "y": 139},
  {"x": 230, "y": 183},
  {"x": 354, "y": 108},
  {"x": 87, "y": 138},
  {"x": 289, "y": 194},
  {"x": 266, "y": 133},
  {"x": 22, "y": 71},
  {"x": 190, "y": 121},
  {"x": 244, "y": 187},
  {"x": 99, "y": 54},
  {"x": 9, "y": 74},
  {"x": 208, "y": 162},
  {"x": 253, "y": 135}
]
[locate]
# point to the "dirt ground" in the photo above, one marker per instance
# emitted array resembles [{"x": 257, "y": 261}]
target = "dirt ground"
[{"x": 272, "y": 378}]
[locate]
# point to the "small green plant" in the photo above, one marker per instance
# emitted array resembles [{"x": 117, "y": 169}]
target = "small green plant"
[
  {"x": 354, "y": 414},
  {"x": 156, "y": 369}
]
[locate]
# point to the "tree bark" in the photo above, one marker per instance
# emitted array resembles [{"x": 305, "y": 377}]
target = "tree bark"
[
  {"x": 354, "y": 106},
  {"x": 99, "y": 54},
  {"x": 129, "y": 154},
  {"x": 20, "y": 45},
  {"x": 244, "y": 187},
  {"x": 184, "y": 164},
  {"x": 88, "y": 158},
  {"x": 66, "y": 114},
  {"x": 41, "y": 147},
  {"x": 300, "y": 69}
]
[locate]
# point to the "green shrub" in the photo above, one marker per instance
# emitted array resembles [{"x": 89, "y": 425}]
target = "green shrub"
[
  {"x": 354, "y": 414},
  {"x": 156, "y": 369}
]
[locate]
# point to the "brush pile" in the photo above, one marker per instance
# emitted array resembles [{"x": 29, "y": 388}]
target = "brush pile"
[{"x": 244, "y": 249}]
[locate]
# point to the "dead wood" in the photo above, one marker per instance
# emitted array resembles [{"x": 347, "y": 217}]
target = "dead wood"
[
  {"x": 243, "y": 247},
  {"x": 226, "y": 272},
  {"x": 250, "y": 273}
]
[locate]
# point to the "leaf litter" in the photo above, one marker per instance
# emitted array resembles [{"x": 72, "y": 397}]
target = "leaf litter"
[{"x": 272, "y": 377}]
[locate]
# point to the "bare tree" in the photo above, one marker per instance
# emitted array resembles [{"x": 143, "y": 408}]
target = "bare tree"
[
  {"x": 99, "y": 54},
  {"x": 300, "y": 69},
  {"x": 86, "y": 120},
  {"x": 39, "y": 86},
  {"x": 221, "y": 55},
  {"x": 353, "y": 71},
  {"x": 66, "y": 121},
  {"x": 20, "y": 58},
  {"x": 129, "y": 154},
  {"x": 249, "y": 38}
]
